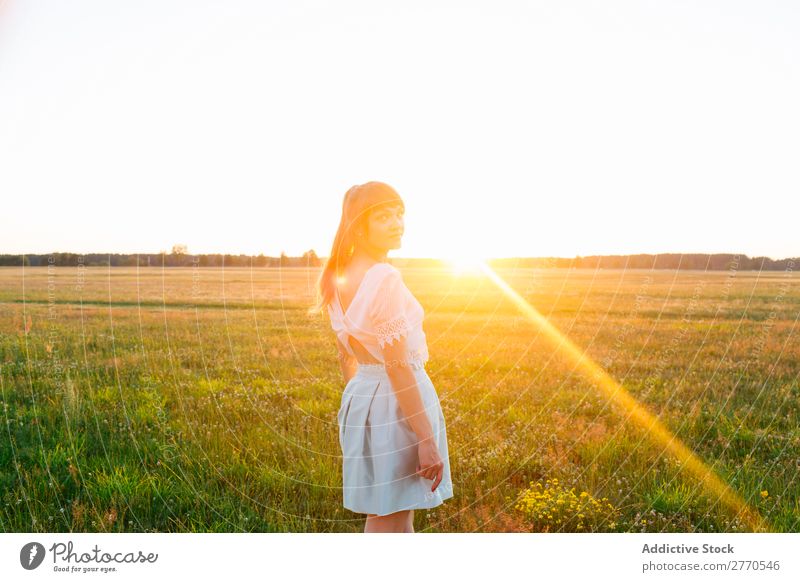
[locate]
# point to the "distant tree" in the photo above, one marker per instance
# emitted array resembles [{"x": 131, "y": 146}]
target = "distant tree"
[
  {"x": 310, "y": 259},
  {"x": 284, "y": 260},
  {"x": 180, "y": 250}
]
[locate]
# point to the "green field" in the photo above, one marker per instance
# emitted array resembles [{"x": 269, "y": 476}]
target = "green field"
[{"x": 206, "y": 399}]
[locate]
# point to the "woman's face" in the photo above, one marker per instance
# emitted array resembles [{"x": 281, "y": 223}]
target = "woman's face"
[{"x": 385, "y": 227}]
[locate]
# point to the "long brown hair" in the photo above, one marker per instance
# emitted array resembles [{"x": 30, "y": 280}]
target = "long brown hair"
[{"x": 359, "y": 202}]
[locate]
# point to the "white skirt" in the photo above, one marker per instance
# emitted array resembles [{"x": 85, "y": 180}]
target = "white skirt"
[{"x": 379, "y": 448}]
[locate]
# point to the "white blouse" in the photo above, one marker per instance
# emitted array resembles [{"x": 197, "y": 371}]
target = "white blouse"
[{"x": 382, "y": 310}]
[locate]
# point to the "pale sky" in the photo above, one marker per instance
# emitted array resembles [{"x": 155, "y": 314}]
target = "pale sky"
[{"x": 509, "y": 128}]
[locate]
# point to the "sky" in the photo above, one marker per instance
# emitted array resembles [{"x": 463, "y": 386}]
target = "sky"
[{"x": 556, "y": 128}]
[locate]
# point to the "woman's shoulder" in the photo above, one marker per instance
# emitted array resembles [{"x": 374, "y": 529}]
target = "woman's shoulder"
[
  {"x": 381, "y": 271},
  {"x": 386, "y": 274},
  {"x": 386, "y": 281},
  {"x": 384, "y": 267}
]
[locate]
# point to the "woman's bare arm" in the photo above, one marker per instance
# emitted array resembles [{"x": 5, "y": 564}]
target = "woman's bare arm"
[
  {"x": 404, "y": 384},
  {"x": 405, "y": 387}
]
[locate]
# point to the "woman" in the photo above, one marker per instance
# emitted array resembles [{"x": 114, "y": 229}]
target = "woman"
[{"x": 391, "y": 427}]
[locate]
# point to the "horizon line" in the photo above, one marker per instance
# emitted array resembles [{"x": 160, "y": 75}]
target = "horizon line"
[{"x": 417, "y": 258}]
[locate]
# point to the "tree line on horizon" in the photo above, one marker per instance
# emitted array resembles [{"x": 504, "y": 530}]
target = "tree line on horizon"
[{"x": 180, "y": 257}]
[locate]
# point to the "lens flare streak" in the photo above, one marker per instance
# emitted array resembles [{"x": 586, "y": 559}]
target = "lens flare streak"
[{"x": 615, "y": 392}]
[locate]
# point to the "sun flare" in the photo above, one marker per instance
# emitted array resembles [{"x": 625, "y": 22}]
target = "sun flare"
[{"x": 466, "y": 265}]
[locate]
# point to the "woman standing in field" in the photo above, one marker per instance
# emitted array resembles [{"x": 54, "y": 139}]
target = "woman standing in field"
[{"x": 391, "y": 427}]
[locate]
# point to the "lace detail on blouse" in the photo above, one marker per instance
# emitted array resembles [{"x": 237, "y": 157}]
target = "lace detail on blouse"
[{"x": 391, "y": 330}]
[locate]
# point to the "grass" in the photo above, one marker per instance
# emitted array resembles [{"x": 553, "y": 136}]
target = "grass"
[{"x": 205, "y": 400}]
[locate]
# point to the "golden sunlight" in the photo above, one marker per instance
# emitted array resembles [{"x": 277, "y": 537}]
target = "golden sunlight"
[
  {"x": 635, "y": 411},
  {"x": 466, "y": 265}
]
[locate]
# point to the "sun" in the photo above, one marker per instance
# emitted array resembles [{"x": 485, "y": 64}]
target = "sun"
[{"x": 466, "y": 264}]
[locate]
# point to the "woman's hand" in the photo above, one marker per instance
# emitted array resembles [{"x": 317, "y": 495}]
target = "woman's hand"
[{"x": 430, "y": 464}]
